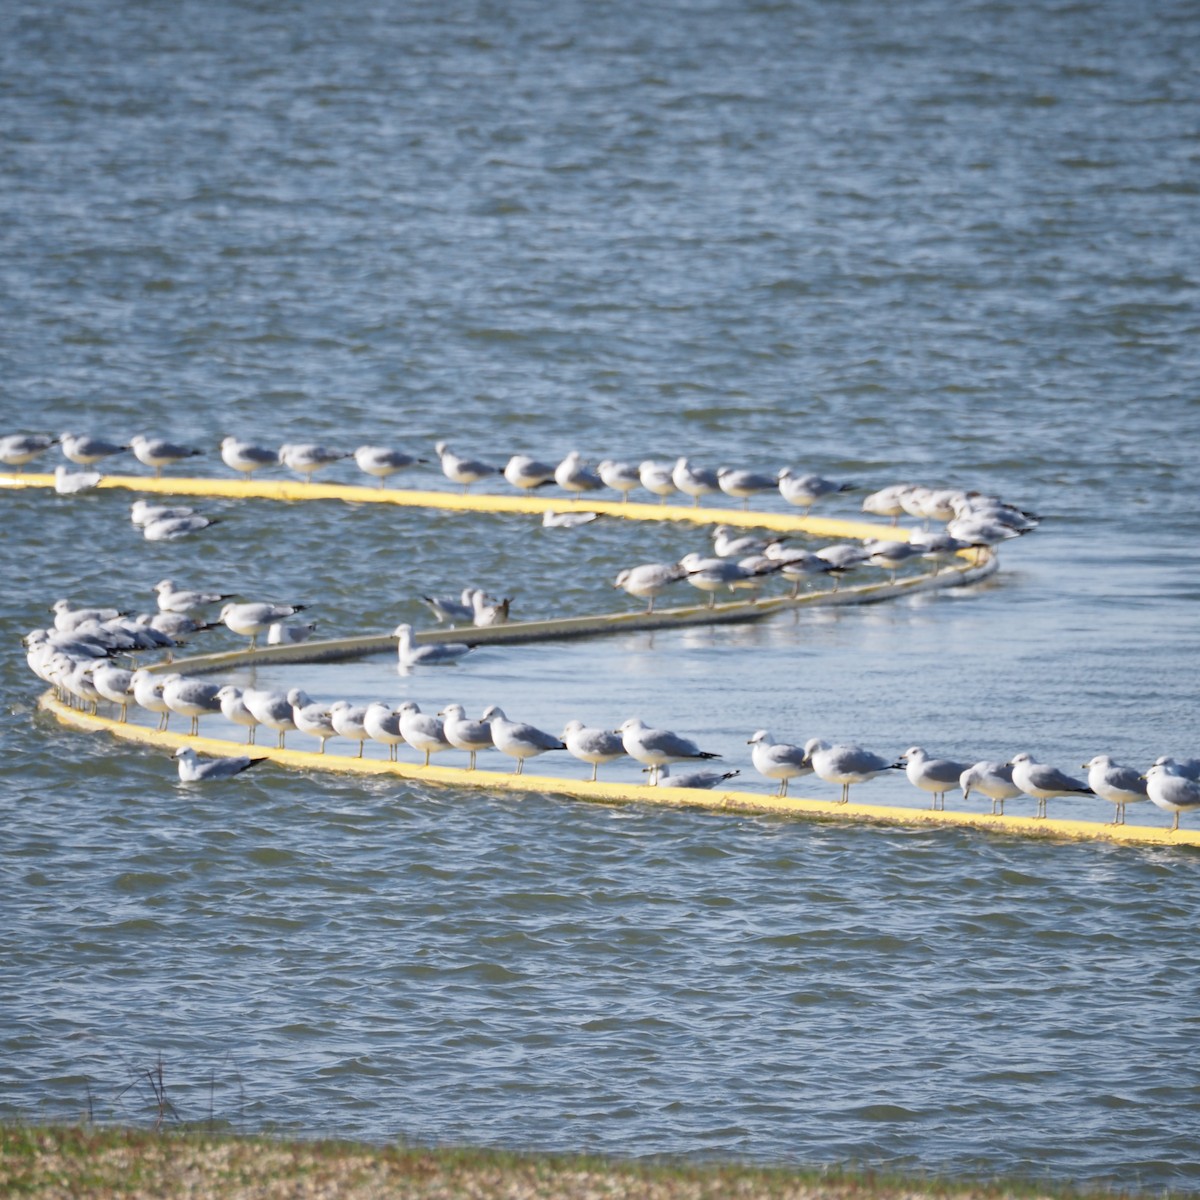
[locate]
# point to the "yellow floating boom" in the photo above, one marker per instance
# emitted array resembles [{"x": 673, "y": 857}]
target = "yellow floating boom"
[
  {"x": 976, "y": 565},
  {"x": 626, "y": 793},
  {"x": 293, "y": 490}
]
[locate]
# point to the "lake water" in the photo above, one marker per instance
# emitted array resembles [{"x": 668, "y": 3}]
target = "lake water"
[{"x": 945, "y": 243}]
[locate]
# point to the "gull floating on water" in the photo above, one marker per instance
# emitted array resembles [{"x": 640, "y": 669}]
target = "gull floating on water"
[
  {"x": 700, "y": 779},
  {"x": 69, "y": 483},
  {"x": 567, "y": 520},
  {"x": 171, "y": 529},
  {"x": 1044, "y": 782},
  {"x": 1172, "y": 793},
  {"x": 437, "y": 654},
  {"x": 778, "y": 760},
  {"x": 246, "y": 457},
  {"x": 656, "y": 748},
  {"x": 593, "y": 746},
  {"x": 196, "y": 770},
  {"x": 142, "y": 512},
  {"x": 1117, "y": 784},
  {"x": 844, "y": 764},
  {"x": 518, "y": 740},
  {"x": 158, "y": 452}
]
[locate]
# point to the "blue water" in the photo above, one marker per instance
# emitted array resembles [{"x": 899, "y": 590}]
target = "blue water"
[{"x": 954, "y": 244}]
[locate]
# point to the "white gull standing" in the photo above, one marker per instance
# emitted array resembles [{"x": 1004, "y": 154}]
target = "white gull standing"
[
  {"x": 778, "y": 760},
  {"x": 992, "y": 779},
  {"x": 465, "y": 734},
  {"x": 656, "y": 748},
  {"x": 517, "y": 739},
  {"x": 1043, "y": 782},
  {"x": 1117, "y": 784},
  {"x": 159, "y": 452},
  {"x": 845, "y": 764},
  {"x": 593, "y": 746},
  {"x": 463, "y": 470},
  {"x": 935, "y": 775},
  {"x": 246, "y": 457}
]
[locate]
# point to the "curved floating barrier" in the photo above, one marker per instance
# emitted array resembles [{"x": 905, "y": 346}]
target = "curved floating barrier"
[
  {"x": 292, "y": 490},
  {"x": 978, "y": 565},
  {"x": 627, "y": 793}
]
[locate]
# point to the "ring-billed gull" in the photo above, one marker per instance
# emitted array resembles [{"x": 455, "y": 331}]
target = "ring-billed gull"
[
  {"x": 184, "y": 600},
  {"x": 193, "y": 769},
  {"x": 527, "y": 473},
  {"x": 649, "y": 580},
  {"x": 311, "y": 717},
  {"x": 411, "y": 655},
  {"x": 234, "y": 710},
  {"x": 148, "y": 692},
  {"x": 114, "y": 684},
  {"x": 886, "y": 502},
  {"x": 306, "y": 457},
  {"x": 593, "y": 746},
  {"x": 246, "y": 457},
  {"x": 350, "y": 722},
  {"x": 622, "y": 477},
  {"x": 890, "y": 556},
  {"x": 289, "y": 633},
  {"x": 1172, "y": 793},
  {"x": 519, "y": 740},
  {"x": 451, "y": 611},
  {"x": 1117, "y": 784},
  {"x": 272, "y": 709},
  {"x": 1043, "y": 782},
  {"x": 171, "y": 529},
  {"x": 657, "y": 747},
  {"x": 694, "y": 481},
  {"x": 142, "y": 512},
  {"x": 423, "y": 731},
  {"x": 744, "y": 484},
  {"x": 573, "y": 475},
  {"x": 797, "y": 564},
  {"x": 1189, "y": 768},
  {"x": 715, "y": 574},
  {"x": 20, "y": 449},
  {"x": 465, "y": 734},
  {"x": 568, "y": 520},
  {"x": 86, "y": 451},
  {"x": 190, "y": 698},
  {"x": 383, "y": 461},
  {"x": 656, "y": 478},
  {"x": 68, "y": 619},
  {"x": 935, "y": 775},
  {"x": 463, "y": 470},
  {"x": 487, "y": 611},
  {"x": 845, "y": 764},
  {"x": 251, "y": 619},
  {"x": 805, "y": 490},
  {"x": 382, "y": 724},
  {"x": 78, "y": 681},
  {"x": 994, "y": 780},
  {"x": 70, "y": 483},
  {"x": 778, "y": 760},
  {"x": 728, "y": 543},
  {"x": 159, "y": 452},
  {"x": 702, "y": 779}
]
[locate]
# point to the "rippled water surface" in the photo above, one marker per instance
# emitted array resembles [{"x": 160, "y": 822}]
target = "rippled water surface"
[{"x": 948, "y": 243}]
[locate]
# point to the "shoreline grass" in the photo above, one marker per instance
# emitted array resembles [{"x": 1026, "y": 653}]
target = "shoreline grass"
[{"x": 89, "y": 1162}]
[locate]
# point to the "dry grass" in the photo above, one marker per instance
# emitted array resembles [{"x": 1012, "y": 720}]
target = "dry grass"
[{"x": 95, "y": 1163}]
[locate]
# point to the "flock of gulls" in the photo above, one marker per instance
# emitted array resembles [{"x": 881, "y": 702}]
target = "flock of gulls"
[
  {"x": 972, "y": 519},
  {"x": 78, "y": 654}
]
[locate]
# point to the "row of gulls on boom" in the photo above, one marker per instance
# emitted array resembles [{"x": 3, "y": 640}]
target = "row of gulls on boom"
[{"x": 1170, "y": 784}]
